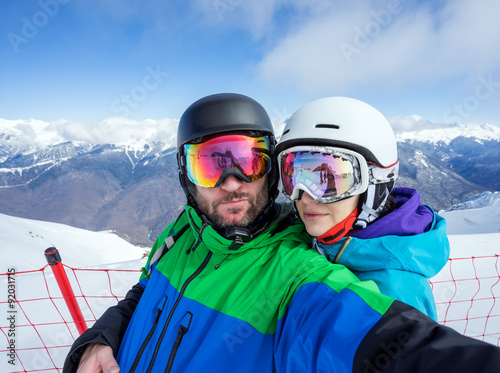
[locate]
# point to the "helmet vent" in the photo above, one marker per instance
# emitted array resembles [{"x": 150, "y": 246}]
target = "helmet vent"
[
  {"x": 332, "y": 126},
  {"x": 286, "y": 131}
]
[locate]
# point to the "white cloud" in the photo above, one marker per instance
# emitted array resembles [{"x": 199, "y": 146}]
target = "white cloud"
[
  {"x": 113, "y": 130},
  {"x": 256, "y": 16},
  {"x": 414, "y": 123},
  {"x": 389, "y": 44}
]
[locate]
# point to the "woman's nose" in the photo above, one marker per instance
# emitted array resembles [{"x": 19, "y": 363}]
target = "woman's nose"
[{"x": 307, "y": 199}]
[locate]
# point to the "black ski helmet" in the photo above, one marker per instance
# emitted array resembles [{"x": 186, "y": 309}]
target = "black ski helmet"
[{"x": 219, "y": 114}]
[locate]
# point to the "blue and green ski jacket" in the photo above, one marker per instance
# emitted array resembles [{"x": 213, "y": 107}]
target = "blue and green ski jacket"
[{"x": 269, "y": 305}]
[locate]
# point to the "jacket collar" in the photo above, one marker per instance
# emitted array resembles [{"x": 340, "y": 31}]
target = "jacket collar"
[
  {"x": 409, "y": 218},
  {"x": 284, "y": 227}
]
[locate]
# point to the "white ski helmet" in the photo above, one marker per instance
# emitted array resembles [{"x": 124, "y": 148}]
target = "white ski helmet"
[{"x": 347, "y": 123}]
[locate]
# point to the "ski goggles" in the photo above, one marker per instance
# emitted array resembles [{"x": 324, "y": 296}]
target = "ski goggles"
[
  {"x": 208, "y": 164},
  {"x": 327, "y": 174}
]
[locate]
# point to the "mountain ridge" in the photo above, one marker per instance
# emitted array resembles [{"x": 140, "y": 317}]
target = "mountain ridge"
[{"x": 132, "y": 187}]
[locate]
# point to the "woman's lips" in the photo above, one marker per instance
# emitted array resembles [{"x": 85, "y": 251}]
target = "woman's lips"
[{"x": 313, "y": 216}]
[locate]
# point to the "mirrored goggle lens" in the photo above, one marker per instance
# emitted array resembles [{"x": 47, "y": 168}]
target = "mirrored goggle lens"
[
  {"x": 324, "y": 175},
  {"x": 238, "y": 154}
]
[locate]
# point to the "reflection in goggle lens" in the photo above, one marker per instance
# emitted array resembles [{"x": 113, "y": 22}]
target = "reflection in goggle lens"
[
  {"x": 323, "y": 174},
  {"x": 239, "y": 154}
]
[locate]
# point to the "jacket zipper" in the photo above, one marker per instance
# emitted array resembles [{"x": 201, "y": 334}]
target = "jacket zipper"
[
  {"x": 148, "y": 337},
  {"x": 180, "y": 334},
  {"x": 181, "y": 293},
  {"x": 342, "y": 249}
]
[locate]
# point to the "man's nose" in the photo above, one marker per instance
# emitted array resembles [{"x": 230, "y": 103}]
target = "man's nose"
[{"x": 231, "y": 184}]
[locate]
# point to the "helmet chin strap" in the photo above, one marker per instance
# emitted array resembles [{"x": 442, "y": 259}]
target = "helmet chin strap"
[
  {"x": 241, "y": 235},
  {"x": 371, "y": 203}
]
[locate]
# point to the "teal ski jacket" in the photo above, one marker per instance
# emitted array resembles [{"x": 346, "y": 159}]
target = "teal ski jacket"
[{"x": 400, "y": 251}]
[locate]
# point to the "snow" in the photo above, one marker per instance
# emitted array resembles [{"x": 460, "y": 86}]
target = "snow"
[
  {"x": 23, "y": 242},
  {"x": 482, "y": 215},
  {"x": 420, "y": 157},
  {"x": 473, "y": 232},
  {"x": 418, "y": 129},
  {"x": 20, "y": 170},
  {"x": 481, "y": 200}
]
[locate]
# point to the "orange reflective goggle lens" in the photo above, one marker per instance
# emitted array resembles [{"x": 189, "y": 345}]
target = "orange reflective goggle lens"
[{"x": 210, "y": 162}]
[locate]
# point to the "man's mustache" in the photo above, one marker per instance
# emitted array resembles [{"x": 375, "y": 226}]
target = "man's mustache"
[{"x": 231, "y": 196}]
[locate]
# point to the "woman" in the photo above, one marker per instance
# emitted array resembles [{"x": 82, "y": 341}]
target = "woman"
[{"x": 338, "y": 162}]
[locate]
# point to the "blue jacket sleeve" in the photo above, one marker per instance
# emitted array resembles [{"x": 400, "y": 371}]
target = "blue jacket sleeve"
[
  {"x": 339, "y": 332},
  {"x": 321, "y": 330}
]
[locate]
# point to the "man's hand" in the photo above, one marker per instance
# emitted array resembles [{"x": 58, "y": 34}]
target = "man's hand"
[{"x": 98, "y": 358}]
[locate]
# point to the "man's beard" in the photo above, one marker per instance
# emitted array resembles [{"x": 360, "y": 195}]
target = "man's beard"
[{"x": 256, "y": 205}]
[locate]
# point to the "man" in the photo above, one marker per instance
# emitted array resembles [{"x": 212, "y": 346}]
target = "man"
[{"x": 232, "y": 284}]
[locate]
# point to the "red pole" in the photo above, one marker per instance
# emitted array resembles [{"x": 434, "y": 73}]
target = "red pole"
[{"x": 54, "y": 259}]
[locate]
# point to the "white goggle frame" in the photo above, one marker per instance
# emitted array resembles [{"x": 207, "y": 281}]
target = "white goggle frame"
[{"x": 365, "y": 174}]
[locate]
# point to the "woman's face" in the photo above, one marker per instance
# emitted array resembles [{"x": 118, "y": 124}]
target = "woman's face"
[{"x": 321, "y": 217}]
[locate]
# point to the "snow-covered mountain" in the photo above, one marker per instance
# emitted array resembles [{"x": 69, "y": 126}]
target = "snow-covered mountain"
[
  {"x": 122, "y": 175},
  {"x": 435, "y": 134},
  {"x": 470, "y": 150},
  {"x": 484, "y": 199}
]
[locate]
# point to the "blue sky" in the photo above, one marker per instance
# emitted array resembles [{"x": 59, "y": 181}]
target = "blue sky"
[{"x": 85, "y": 60}]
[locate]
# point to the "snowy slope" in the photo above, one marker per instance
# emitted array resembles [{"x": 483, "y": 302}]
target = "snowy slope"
[
  {"x": 479, "y": 214},
  {"x": 23, "y": 242}
]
